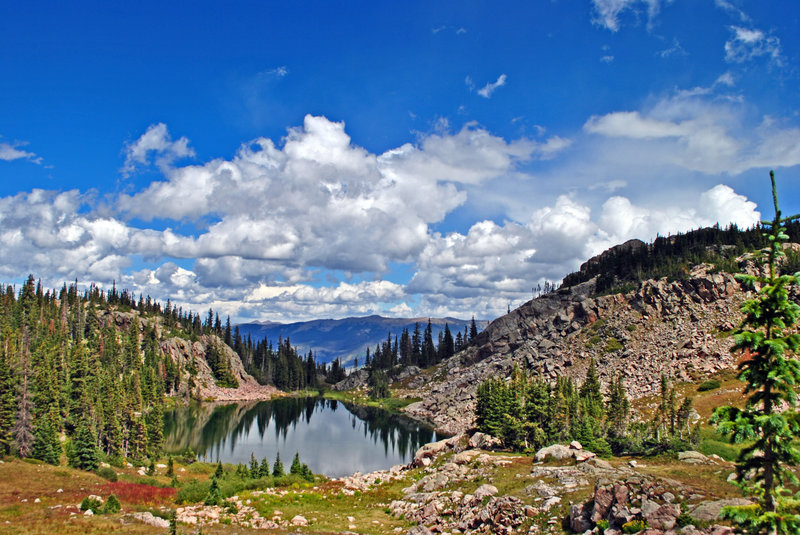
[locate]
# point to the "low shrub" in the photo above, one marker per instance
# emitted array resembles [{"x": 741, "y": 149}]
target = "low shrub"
[
  {"x": 106, "y": 473},
  {"x": 90, "y": 503},
  {"x": 711, "y": 384},
  {"x": 634, "y": 526},
  {"x": 193, "y": 491},
  {"x": 112, "y": 505}
]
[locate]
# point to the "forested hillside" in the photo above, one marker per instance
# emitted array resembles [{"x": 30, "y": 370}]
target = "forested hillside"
[{"x": 98, "y": 366}]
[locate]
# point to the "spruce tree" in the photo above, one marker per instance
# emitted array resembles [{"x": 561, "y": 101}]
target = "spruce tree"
[
  {"x": 297, "y": 467},
  {"x": 7, "y": 405},
  {"x": 277, "y": 468},
  {"x": 254, "y": 473},
  {"x": 84, "y": 451},
  {"x": 46, "y": 446},
  {"x": 263, "y": 470},
  {"x": 617, "y": 408},
  {"x": 771, "y": 374},
  {"x": 591, "y": 392},
  {"x": 214, "y": 496}
]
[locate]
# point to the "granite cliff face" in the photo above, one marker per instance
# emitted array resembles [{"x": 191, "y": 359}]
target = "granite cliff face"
[{"x": 677, "y": 329}]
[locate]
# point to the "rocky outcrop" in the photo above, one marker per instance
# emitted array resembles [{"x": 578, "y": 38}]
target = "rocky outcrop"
[
  {"x": 196, "y": 377},
  {"x": 188, "y": 355},
  {"x": 656, "y": 502},
  {"x": 355, "y": 380},
  {"x": 669, "y": 328}
]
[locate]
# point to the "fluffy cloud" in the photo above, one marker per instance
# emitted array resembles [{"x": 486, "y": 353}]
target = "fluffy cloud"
[
  {"x": 499, "y": 264},
  {"x": 290, "y": 204},
  {"x": 155, "y": 142},
  {"x": 11, "y": 151},
  {"x": 310, "y": 228},
  {"x": 43, "y": 233}
]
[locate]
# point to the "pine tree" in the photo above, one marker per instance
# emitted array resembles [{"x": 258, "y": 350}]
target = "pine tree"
[
  {"x": 297, "y": 467},
  {"x": 254, "y": 473},
  {"x": 277, "y": 468},
  {"x": 264, "y": 470},
  {"x": 46, "y": 446},
  {"x": 85, "y": 454},
  {"x": 772, "y": 375},
  {"x": 591, "y": 392},
  {"x": 617, "y": 408},
  {"x": 7, "y": 405},
  {"x": 473, "y": 330}
]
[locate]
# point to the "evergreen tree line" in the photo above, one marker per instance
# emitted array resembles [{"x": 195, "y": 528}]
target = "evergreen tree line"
[
  {"x": 673, "y": 256},
  {"x": 530, "y": 413},
  {"x": 418, "y": 348}
]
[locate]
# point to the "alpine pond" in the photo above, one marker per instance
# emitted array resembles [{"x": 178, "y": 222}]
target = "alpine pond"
[{"x": 333, "y": 438}]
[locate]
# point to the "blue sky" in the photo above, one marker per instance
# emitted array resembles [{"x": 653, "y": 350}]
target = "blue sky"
[{"x": 318, "y": 159}]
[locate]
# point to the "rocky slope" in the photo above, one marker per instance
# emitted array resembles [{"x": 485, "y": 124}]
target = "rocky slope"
[
  {"x": 188, "y": 355},
  {"x": 677, "y": 329}
]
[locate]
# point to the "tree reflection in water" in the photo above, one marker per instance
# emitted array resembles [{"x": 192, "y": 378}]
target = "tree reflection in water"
[{"x": 332, "y": 440}]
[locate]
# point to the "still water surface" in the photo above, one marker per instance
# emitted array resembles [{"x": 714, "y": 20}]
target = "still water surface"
[{"x": 333, "y": 438}]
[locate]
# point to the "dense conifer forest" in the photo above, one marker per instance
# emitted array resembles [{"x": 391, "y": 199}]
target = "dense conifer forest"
[{"x": 65, "y": 366}]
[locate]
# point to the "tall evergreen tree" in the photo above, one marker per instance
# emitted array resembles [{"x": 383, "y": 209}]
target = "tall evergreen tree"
[
  {"x": 591, "y": 392},
  {"x": 772, "y": 376},
  {"x": 85, "y": 455},
  {"x": 277, "y": 468},
  {"x": 7, "y": 405}
]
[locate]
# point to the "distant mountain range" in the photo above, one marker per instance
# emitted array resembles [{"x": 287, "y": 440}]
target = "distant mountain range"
[{"x": 347, "y": 338}]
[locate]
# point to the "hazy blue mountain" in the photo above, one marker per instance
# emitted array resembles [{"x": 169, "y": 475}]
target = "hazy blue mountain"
[{"x": 347, "y": 338}]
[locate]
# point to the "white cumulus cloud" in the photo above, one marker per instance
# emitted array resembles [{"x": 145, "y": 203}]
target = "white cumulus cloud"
[{"x": 155, "y": 142}]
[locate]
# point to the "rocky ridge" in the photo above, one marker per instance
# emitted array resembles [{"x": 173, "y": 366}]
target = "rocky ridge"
[{"x": 672, "y": 328}]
